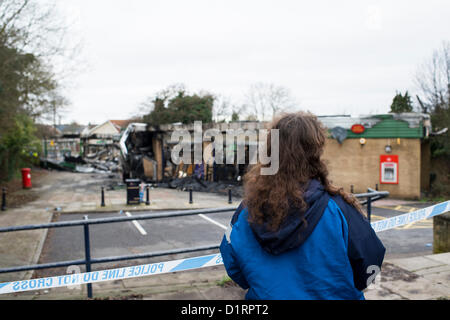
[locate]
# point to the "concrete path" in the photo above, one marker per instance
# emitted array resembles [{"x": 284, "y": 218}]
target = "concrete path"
[{"x": 415, "y": 278}]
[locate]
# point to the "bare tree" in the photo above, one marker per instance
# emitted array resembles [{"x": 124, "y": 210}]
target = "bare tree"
[
  {"x": 37, "y": 29},
  {"x": 433, "y": 80},
  {"x": 171, "y": 92},
  {"x": 224, "y": 108},
  {"x": 265, "y": 100},
  {"x": 160, "y": 98}
]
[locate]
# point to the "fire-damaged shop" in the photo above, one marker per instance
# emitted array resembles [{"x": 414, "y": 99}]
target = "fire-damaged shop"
[
  {"x": 146, "y": 155},
  {"x": 141, "y": 153}
]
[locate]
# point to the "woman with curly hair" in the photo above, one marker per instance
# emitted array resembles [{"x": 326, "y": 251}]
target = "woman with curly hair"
[{"x": 295, "y": 235}]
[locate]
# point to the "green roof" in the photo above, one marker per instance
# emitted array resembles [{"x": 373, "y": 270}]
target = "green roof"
[
  {"x": 389, "y": 128},
  {"x": 405, "y": 125}
]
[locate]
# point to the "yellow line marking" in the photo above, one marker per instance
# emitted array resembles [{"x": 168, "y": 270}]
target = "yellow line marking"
[
  {"x": 397, "y": 208},
  {"x": 382, "y": 207},
  {"x": 408, "y": 225},
  {"x": 423, "y": 224}
]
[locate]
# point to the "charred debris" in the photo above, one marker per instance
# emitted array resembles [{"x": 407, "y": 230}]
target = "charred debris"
[{"x": 144, "y": 153}]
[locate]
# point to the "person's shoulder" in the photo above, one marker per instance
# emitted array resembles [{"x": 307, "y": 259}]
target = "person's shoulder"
[
  {"x": 333, "y": 204},
  {"x": 350, "y": 213},
  {"x": 239, "y": 211}
]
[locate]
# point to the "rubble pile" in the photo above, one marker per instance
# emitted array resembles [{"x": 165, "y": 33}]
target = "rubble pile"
[
  {"x": 103, "y": 162},
  {"x": 99, "y": 166},
  {"x": 197, "y": 184}
]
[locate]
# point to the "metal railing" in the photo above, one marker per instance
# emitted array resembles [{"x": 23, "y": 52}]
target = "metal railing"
[
  {"x": 88, "y": 261},
  {"x": 371, "y": 195}
]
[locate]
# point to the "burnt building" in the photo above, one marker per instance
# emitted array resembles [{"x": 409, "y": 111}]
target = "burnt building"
[{"x": 388, "y": 150}]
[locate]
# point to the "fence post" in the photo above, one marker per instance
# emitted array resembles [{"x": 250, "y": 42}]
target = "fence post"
[
  {"x": 369, "y": 207},
  {"x": 87, "y": 252},
  {"x": 3, "y": 199},
  {"x": 103, "y": 197},
  {"x": 147, "y": 198}
]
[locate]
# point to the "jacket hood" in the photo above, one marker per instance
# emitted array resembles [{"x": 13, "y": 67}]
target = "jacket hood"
[{"x": 293, "y": 230}]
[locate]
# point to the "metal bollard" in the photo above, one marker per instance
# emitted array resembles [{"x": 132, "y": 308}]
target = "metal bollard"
[
  {"x": 376, "y": 187},
  {"x": 147, "y": 198},
  {"x": 230, "y": 199},
  {"x": 351, "y": 189},
  {"x": 87, "y": 252},
  {"x": 191, "y": 201},
  {"x": 103, "y": 197},
  {"x": 3, "y": 199},
  {"x": 369, "y": 208}
]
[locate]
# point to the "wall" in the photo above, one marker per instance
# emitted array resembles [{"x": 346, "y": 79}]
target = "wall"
[
  {"x": 353, "y": 164},
  {"x": 425, "y": 164},
  {"x": 157, "y": 149}
]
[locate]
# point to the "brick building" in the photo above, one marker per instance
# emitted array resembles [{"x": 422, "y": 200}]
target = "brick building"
[{"x": 391, "y": 151}]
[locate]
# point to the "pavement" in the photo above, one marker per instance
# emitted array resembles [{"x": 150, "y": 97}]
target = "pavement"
[{"x": 417, "y": 278}]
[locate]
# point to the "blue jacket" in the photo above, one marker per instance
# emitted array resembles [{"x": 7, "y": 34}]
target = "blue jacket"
[{"x": 328, "y": 258}]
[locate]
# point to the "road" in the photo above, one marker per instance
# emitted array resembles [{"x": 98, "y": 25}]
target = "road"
[
  {"x": 410, "y": 240},
  {"x": 145, "y": 236},
  {"x": 127, "y": 238}
]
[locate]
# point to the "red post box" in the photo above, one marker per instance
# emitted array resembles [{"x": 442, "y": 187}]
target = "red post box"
[{"x": 26, "y": 178}]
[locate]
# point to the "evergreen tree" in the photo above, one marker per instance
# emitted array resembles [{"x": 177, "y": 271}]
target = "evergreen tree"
[
  {"x": 181, "y": 107},
  {"x": 401, "y": 103}
]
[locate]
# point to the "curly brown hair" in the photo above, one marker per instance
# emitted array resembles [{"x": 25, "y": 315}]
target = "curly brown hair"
[{"x": 301, "y": 142}]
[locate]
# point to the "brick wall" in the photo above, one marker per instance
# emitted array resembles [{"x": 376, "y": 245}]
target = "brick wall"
[{"x": 353, "y": 164}]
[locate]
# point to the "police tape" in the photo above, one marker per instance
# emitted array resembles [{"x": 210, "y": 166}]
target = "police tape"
[
  {"x": 414, "y": 216},
  {"x": 188, "y": 263},
  {"x": 112, "y": 274}
]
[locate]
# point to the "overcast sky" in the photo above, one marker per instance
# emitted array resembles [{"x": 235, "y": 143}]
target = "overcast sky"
[{"x": 335, "y": 56}]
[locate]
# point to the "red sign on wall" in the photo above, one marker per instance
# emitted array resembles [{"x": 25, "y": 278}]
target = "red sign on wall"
[
  {"x": 389, "y": 169},
  {"x": 358, "y": 128}
]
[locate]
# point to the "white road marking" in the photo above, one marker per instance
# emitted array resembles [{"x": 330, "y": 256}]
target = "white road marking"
[
  {"x": 137, "y": 225},
  {"x": 213, "y": 221}
]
